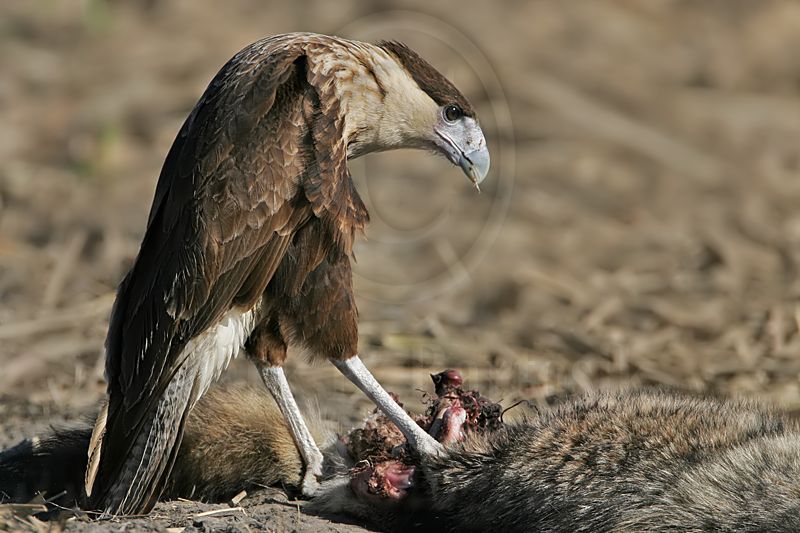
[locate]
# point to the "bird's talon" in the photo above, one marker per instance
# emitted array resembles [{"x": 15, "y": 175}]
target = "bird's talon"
[{"x": 310, "y": 487}]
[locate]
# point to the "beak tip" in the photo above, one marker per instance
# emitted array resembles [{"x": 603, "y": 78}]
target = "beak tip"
[{"x": 476, "y": 165}]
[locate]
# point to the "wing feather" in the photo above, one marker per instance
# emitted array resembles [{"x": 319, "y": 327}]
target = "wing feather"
[
  {"x": 222, "y": 217},
  {"x": 330, "y": 190},
  {"x": 238, "y": 183}
]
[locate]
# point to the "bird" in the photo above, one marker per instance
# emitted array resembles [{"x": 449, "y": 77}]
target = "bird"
[
  {"x": 627, "y": 460},
  {"x": 249, "y": 243}
]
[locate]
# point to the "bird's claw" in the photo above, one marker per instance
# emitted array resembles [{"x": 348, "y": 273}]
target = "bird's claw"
[
  {"x": 310, "y": 485},
  {"x": 313, "y": 473}
]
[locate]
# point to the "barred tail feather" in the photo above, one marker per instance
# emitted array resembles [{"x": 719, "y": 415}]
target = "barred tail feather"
[
  {"x": 134, "y": 484},
  {"x": 95, "y": 446}
]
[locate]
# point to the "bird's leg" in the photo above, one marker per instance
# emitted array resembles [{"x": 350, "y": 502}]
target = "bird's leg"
[
  {"x": 276, "y": 383},
  {"x": 354, "y": 369}
]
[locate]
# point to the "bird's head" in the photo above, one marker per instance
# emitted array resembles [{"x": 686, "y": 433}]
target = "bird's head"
[{"x": 419, "y": 108}]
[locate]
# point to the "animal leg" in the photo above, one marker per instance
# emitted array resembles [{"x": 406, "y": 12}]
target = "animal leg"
[
  {"x": 276, "y": 383},
  {"x": 353, "y": 368}
]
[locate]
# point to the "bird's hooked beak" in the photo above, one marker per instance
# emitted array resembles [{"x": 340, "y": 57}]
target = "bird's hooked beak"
[
  {"x": 463, "y": 143},
  {"x": 475, "y": 164}
]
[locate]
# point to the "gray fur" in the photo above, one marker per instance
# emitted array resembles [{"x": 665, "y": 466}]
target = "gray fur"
[
  {"x": 643, "y": 461},
  {"x": 627, "y": 461}
]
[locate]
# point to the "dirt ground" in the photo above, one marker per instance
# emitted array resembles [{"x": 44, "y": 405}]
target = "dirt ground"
[{"x": 639, "y": 226}]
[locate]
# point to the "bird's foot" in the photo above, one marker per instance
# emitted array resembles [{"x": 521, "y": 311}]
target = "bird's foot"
[
  {"x": 426, "y": 446},
  {"x": 310, "y": 486},
  {"x": 276, "y": 383},
  {"x": 417, "y": 438}
]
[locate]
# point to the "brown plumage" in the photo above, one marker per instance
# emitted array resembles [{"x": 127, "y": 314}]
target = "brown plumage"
[{"x": 249, "y": 240}]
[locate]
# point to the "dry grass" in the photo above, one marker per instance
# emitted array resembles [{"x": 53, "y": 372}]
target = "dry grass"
[{"x": 641, "y": 225}]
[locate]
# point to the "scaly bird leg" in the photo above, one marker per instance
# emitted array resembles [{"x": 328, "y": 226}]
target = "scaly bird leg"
[
  {"x": 276, "y": 383},
  {"x": 356, "y": 372}
]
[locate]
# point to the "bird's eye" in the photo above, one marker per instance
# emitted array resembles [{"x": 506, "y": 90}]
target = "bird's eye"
[{"x": 452, "y": 113}]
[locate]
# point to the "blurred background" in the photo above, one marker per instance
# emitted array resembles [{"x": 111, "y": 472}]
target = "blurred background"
[{"x": 640, "y": 224}]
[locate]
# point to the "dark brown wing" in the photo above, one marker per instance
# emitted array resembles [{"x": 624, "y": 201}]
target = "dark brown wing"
[
  {"x": 261, "y": 153},
  {"x": 221, "y": 219}
]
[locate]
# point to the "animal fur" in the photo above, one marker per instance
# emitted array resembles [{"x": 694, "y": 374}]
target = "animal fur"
[
  {"x": 637, "y": 461},
  {"x": 623, "y": 461}
]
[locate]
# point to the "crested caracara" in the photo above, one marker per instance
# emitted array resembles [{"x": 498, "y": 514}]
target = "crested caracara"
[{"x": 249, "y": 241}]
